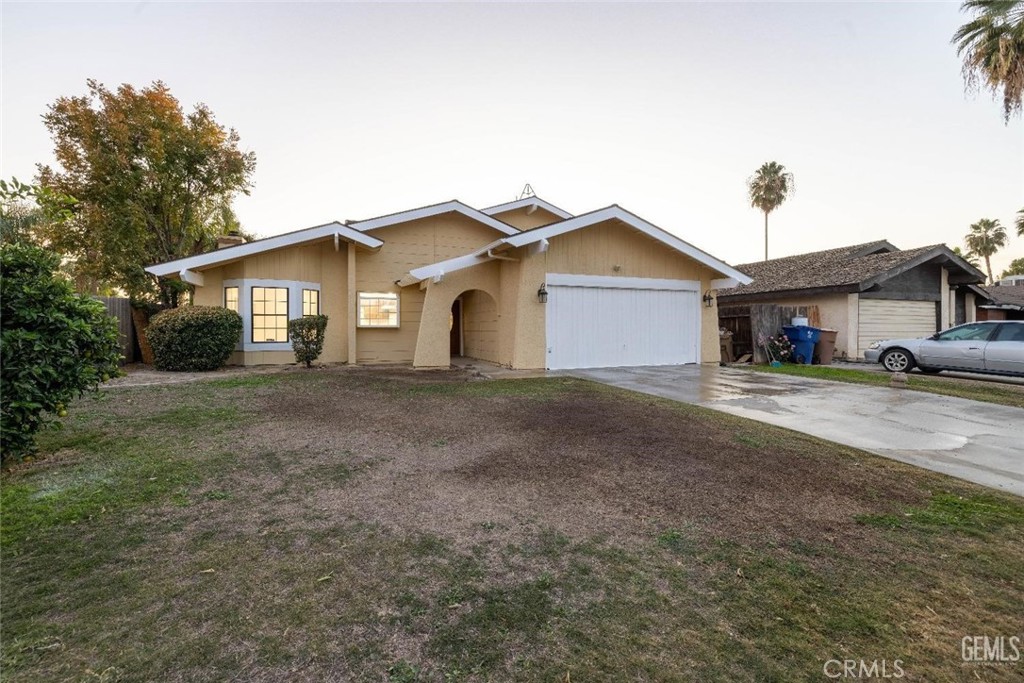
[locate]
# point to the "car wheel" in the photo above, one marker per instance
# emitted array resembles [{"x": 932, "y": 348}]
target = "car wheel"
[
  {"x": 897, "y": 360},
  {"x": 930, "y": 371}
]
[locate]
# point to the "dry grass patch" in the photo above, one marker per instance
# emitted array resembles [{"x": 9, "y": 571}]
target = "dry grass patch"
[{"x": 388, "y": 525}]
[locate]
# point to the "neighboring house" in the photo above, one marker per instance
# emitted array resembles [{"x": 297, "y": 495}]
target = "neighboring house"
[
  {"x": 1004, "y": 301},
  {"x": 523, "y": 284},
  {"x": 868, "y": 292}
]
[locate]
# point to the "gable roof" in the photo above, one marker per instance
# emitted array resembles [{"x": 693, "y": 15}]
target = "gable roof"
[
  {"x": 1004, "y": 296},
  {"x": 218, "y": 256},
  {"x": 350, "y": 231},
  {"x": 527, "y": 202},
  {"x": 542, "y": 233},
  {"x": 855, "y": 268},
  {"x": 452, "y": 206}
]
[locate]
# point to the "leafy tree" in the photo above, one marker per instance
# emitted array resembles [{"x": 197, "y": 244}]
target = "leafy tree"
[
  {"x": 992, "y": 48},
  {"x": 54, "y": 345},
  {"x": 26, "y": 211},
  {"x": 986, "y": 237},
  {"x": 768, "y": 188},
  {"x": 1019, "y": 223},
  {"x": 307, "y": 334},
  {"x": 150, "y": 180},
  {"x": 1016, "y": 267}
]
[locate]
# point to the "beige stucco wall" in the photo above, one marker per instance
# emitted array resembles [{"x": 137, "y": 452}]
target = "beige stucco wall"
[
  {"x": 519, "y": 218},
  {"x": 480, "y": 326},
  {"x": 433, "y": 343},
  {"x": 506, "y": 326},
  {"x": 408, "y": 246},
  {"x": 834, "y": 311},
  {"x": 318, "y": 262},
  {"x": 599, "y": 250}
]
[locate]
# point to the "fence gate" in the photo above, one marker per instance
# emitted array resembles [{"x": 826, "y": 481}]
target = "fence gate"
[{"x": 120, "y": 308}]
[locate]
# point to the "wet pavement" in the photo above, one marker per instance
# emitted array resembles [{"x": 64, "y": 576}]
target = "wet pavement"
[{"x": 979, "y": 442}]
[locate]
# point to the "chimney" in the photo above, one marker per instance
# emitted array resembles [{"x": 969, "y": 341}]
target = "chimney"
[{"x": 232, "y": 239}]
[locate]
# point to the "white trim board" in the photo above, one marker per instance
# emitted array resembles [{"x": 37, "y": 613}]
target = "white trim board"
[
  {"x": 454, "y": 206},
  {"x": 612, "y": 282},
  {"x": 525, "y": 202},
  {"x": 635, "y": 222},
  {"x": 218, "y": 256}
]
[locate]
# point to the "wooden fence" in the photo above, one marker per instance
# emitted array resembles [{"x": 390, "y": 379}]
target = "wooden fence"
[
  {"x": 119, "y": 307},
  {"x": 750, "y": 322}
]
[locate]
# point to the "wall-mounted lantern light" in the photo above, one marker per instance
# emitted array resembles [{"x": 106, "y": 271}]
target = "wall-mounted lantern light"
[
  {"x": 709, "y": 300},
  {"x": 542, "y": 294}
]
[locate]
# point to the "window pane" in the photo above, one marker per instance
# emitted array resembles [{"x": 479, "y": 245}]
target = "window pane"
[
  {"x": 269, "y": 314},
  {"x": 310, "y": 302},
  {"x": 231, "y": 298},
  {"x": 1008, "y": 332},
  {"x": 378, "y": 310}
]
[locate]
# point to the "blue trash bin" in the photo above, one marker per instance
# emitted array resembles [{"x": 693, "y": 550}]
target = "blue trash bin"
[{"x": 803, "y": 338}]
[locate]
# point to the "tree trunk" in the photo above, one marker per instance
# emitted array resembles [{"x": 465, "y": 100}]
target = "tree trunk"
[
  {"x": 141, "y": 320},
  {"x": 988, "y": 267},
  {"x": 765, "y": 235}
]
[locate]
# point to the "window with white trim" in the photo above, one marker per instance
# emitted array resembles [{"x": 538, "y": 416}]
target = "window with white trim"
[
  {"x": 269, "y": 314},
  {"x": 310, "y": 302},
  {"x": 378, "y": 309},
  {"x": 231, "y": 298}
]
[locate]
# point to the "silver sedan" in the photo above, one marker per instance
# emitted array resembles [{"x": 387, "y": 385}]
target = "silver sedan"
[{"x": 993, "y": 347}]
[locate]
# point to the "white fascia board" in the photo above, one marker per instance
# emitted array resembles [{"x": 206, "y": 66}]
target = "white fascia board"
[
  {"x": 615, "y": 282},
  {"x": 192, "y": 277},
  {"x": 635, "y": 222},
  {"x": 451, "y": 265},
  {"x": 724, "y": 283},
  {"x": 217, "y": 256},
  {"x": 429, "y": 212},
  {"x": 527, "y": 201}
]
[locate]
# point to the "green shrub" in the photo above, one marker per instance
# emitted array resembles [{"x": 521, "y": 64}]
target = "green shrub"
[
  {"x": 307, "y": 335},
  {"x": 54, "y": 345},
  {"x": 193, "y": 338}
]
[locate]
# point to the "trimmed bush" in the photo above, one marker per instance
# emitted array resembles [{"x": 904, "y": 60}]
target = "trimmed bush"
[
  {"x": 193, "y": 338},
  {"x": 307, "y": 335},
  {"x": 54, "y": 345}
]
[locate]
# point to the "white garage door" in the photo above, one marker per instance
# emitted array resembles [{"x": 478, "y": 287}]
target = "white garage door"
[
  {"x": 884, "y": 319},
  {"x": 596, "y": 321}
]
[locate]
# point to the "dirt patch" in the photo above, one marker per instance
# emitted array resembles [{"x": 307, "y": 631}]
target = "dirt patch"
[{"x": 586, "y": 461}]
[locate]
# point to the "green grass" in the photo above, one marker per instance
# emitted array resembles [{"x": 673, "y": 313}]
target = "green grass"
[
  {"x": 148, "y": 544},
  {"x": 989, "y": 392},
  {"x": 947, "y": 512}
]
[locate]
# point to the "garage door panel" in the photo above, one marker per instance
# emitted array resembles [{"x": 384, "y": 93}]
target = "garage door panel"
[
  {"x": 594, "y": 326},
  {"x": 889, "y": 319}
]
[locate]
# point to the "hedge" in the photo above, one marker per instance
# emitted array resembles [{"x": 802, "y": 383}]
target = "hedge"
[{"x": 193, "y": 338}]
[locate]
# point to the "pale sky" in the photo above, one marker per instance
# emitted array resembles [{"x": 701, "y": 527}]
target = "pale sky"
[{"x": 356, "y": 110}]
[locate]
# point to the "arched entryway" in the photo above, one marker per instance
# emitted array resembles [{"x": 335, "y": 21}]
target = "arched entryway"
[{"x": 473, "y": 326}]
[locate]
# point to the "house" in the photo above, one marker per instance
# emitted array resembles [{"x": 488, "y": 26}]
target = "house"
[
  {"x": 867, "y": 292},
  {"x": 1003, "y": 301},
  {"x": 523, "y": 284}
]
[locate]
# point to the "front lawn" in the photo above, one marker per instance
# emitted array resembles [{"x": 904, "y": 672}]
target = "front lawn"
[
  {"x": 388, "y": 525},
  {"x": 977, "y": 390}
]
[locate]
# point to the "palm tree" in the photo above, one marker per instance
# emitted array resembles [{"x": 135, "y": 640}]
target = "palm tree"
[
  {"x": 768, "y": 188},
  {"x": 986, "y": 237},
  {"x": 966, "y": 256},
  {"x": 1020, "y": 223},
  {"x": 992, "y": 48}
]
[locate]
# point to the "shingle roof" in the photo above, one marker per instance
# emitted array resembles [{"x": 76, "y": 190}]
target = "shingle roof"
[
  {"x": 823, "y": 269},
  {"x": 1006, "y": 295},
  {"x": 846, "y": 268}
]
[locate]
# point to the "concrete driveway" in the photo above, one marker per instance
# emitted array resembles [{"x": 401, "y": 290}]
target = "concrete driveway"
[{"x": 979, "y": 442}]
